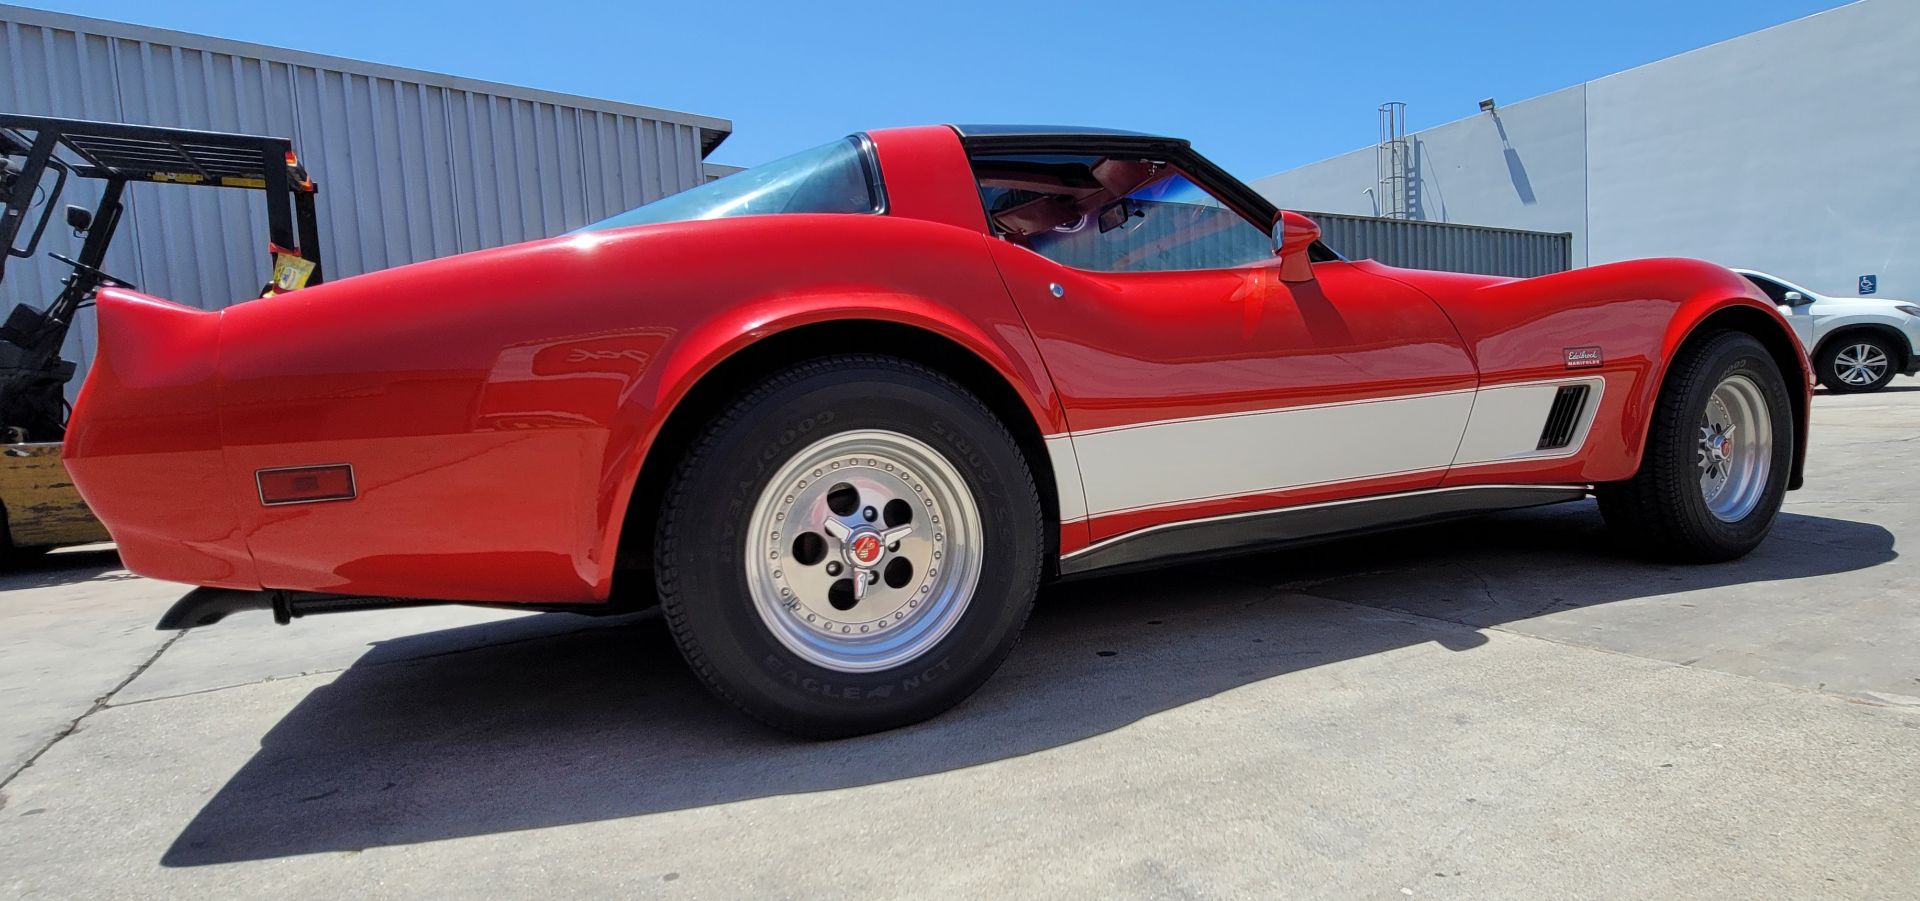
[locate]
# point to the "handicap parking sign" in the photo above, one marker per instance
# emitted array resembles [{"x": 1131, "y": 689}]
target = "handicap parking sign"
[{"x": 1869, "y": 284}]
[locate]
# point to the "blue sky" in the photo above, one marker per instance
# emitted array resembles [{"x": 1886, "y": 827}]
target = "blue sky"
[{"x": 1259, "y": 86}]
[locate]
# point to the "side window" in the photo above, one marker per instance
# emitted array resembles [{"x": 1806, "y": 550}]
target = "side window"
[
  {"x": 1110, "y": 214},
  {"x": 1774, "y": 290}
]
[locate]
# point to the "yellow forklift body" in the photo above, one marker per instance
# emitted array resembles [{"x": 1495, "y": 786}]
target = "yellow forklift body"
[{"x": 43, "y": 509}]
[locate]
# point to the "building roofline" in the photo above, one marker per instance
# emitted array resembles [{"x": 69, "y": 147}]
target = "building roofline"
[
  {"x": 714, "y": 129},
  {"x": 1579, "y": 85}
]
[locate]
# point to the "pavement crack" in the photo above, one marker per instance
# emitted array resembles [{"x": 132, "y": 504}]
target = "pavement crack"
[
  {"x": 99, "y": 704},
  {"x": 274, "y": 678}
]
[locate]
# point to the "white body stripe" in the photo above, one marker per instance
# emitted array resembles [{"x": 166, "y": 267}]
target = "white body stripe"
[
  {"x": 1195, "y": 459},
  {"x": 1066, "y": 478},
  {"x": 1181, "y": 461},
  {"x": 1507, "y": 419}
]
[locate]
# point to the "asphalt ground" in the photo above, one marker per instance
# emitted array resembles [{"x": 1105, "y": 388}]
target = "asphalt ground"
[{"x": 1499, "y": 707}]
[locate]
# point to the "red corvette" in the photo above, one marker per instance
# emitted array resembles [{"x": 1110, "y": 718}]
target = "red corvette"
[{"x": 843, "y": 413}]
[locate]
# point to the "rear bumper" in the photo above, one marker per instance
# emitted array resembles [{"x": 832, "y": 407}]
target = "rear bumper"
[{"x": 143, "y": 443}]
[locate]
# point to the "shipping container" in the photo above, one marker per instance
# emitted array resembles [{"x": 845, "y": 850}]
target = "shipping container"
[{"x": 1446, "y": 246}]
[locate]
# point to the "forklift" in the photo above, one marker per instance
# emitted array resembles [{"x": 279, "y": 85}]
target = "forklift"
[{"x": 39, "y": 508}]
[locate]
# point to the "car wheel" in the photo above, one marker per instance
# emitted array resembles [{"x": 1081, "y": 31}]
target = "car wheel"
[
  {"x": 853, "y": 546},
  {"x": 1855, "y": 363},
  {"x": 1719, "y": 450}
]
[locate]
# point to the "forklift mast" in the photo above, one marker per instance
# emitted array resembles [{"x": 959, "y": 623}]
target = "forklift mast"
[{"x": 39, "y": 154}]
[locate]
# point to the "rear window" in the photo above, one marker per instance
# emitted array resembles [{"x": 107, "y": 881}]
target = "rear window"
[{"x": 840, "y": 177}]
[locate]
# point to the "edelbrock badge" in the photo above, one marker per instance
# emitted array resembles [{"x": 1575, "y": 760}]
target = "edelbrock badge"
[{"x": 1583, "y": 357}]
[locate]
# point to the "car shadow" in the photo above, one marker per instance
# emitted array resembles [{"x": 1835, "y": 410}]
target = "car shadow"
[
  {"x": 605, "y": 722},
  {"x": 91, "y": 563},
  {"x": 1884, "y": 389}
]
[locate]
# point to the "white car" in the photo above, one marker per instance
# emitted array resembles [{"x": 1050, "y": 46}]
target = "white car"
[{"x": 1857, "y": 343}]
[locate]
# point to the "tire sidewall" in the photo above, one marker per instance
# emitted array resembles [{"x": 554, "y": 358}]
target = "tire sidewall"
[
  {"x": 721, "y": 490},
  {"x": 1729, "y": 355}
]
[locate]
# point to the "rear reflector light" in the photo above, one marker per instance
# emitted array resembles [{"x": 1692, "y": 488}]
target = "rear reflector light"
[{"x": 305, "y": 484}]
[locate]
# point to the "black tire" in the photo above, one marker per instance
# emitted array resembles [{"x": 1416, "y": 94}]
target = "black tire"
[
  {"x": 1829, "y": 367},
  {"x": 1662, "y": 510},
  {"x": 702, "y": 544},
  {"x": 11, "y": 556}
]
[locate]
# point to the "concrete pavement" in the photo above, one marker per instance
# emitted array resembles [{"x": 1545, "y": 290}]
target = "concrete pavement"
[{"x": 1504, "y": 707}]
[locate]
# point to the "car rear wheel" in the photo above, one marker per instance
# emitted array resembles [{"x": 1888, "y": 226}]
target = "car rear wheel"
[
  {"x": 1863, "y": 361},
  {"x": 1718, "y": 454},
  {"x": 853, "y": 546}
]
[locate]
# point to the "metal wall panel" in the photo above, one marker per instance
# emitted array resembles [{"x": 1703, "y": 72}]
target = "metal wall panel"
[
  {"x": 411, "y": 165},
  {"x": 1447, "y": 246}
]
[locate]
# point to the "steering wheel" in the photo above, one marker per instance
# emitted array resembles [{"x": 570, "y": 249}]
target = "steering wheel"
[{"x": 96, "y": 273}]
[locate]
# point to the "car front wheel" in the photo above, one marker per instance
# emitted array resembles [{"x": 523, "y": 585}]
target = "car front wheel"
[
  {"x": 1856, "y": 363},
  {"x": 852, "y": 546},
  {"x": 1718, "y": 453}
]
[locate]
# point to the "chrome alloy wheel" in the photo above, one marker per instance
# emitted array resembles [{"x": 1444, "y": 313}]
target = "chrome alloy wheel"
[
  {"x": 865, "y": 551},
  {"x": 1736, "y": 448},
  {"x": 1860, "y": 364}
]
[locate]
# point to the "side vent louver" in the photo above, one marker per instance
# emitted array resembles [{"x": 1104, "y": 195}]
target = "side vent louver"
[{"x": 1563, "y": 417}]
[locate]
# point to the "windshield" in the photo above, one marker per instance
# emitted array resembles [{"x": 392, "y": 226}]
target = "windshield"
[{"x": 835, "y": 178}]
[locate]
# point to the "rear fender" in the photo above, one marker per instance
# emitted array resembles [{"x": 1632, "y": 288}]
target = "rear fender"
[
  {"x": 984, "y": 323},
  {"x": 144, "y": 447},
  {"x": 1885, "y": 326}
]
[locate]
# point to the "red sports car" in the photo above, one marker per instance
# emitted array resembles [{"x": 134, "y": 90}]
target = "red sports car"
[{"x": 843, "y": 413}]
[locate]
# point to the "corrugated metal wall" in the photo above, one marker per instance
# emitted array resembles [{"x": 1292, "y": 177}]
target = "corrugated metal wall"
[
  {"x": 1440, "y": 245},
  {"x": 411, "y": 165}
]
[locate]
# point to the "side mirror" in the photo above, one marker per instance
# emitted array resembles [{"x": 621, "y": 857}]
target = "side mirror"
[
  {"x": 1795, "y": 298},
  {"x": 78, "y": 218},
  {"x": 1293, "y": 236}
]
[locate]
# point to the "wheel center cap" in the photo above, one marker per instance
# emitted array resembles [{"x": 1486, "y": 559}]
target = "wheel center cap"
[{"x": 864, "y": 549}]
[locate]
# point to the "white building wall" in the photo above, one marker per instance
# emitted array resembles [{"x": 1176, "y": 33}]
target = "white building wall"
[
  {"x": 1522, "y": 168},
  {"x": 1788, "y": 150},
  {"x": 1791, "y": 150}
]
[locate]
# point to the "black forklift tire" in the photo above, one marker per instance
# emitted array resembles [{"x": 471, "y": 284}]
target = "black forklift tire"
[{"x": 11, "y": 556}]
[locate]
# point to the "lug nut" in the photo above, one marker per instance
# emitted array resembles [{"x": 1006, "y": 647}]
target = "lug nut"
[
  {"x": 870, "y": 514},
  {"x": 833, "y": 569}
]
